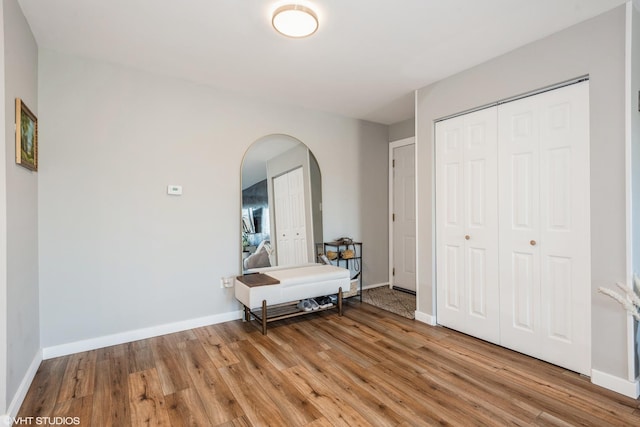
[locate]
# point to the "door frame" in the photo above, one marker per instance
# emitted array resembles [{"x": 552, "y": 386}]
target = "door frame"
[{"x": 393, "y": 145}]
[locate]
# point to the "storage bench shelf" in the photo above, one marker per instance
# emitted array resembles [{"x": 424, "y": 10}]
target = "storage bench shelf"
[{"x": 267, "y": 314}]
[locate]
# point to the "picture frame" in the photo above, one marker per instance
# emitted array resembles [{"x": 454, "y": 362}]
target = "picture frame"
[{"x": 26, "y": 137}]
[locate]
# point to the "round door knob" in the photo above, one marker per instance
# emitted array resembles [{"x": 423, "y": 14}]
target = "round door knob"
[
  {"x": 532, "y": 243},
  {"x": 467, "y": 237}
]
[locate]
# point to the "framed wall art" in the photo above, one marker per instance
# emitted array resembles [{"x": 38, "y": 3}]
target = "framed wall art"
[{"x": 26, "y": 137}]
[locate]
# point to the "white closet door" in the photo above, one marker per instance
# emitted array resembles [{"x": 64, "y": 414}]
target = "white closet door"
[
  {"x": 291, "y": 234},
  {"x": 544, "y": 226},
  {"x": 466, "y": 224}
]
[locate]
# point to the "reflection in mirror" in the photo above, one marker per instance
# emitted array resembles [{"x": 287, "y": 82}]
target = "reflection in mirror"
[{"x": 281, "y": 204}]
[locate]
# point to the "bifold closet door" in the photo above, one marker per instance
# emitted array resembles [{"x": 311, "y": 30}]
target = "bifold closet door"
[
  {"x": 467, "y": 224},
  {"x": 544, "y": 230},
  {"x": 289, "y": 210}
]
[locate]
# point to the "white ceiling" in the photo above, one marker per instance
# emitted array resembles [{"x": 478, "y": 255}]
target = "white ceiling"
[{"x": 364, "y": 62}]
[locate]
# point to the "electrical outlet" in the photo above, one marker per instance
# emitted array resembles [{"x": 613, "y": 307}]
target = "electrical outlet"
[{"x": 226, "y": 282}]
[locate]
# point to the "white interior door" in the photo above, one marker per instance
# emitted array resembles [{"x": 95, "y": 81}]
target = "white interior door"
[
  {"x": 466, "y": 224},
  {"x": 544, "y": 226},
  {"x": 404, "y": 217},
  {"x": 291, "y": 233}
]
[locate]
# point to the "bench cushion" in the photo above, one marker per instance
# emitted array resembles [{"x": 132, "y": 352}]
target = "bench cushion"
[
  {"x": 295, "y": 284},
  {"x": 314, "y": 273}
]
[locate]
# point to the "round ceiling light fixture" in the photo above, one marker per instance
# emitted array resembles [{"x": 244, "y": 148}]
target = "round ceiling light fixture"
[{"x": 294, "y": 20}]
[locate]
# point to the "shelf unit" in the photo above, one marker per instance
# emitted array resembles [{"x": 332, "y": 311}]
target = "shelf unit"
[
  {"x": 268, "y": 314},
  {"x": 353, "y": 264}
]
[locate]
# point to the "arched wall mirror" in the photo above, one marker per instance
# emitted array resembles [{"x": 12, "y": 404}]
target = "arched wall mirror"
[{"x": 281, "y": 204}]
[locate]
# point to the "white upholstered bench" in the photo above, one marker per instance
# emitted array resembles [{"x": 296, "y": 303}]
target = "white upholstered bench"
[{"x": 272, "y": 294}]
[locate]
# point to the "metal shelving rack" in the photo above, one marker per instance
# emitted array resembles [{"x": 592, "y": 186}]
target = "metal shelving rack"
[{"x": 352, "y": 264}]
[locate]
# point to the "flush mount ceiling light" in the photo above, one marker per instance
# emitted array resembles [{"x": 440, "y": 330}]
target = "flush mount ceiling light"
[{"x": 294, "y": 20}]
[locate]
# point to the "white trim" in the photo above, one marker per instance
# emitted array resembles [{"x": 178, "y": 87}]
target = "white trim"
[
  {"x": 402, "y": 142},
  {"x": 631, "y": 374},
  {"x": 619, "y": 385},
  {"x": 374, "y": 285},
  {"x": 23, "y": 388},
  {"x": 631, "y": 349},
  {"x": 425, "y": 318},
  {"x": 137, "y": 334},
  {"x": 415, "y": 138},
  {"x": 434, "y": 286},
  {"x": 393, "y": 145}
]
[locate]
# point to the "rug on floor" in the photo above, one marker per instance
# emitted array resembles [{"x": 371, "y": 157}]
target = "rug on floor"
[{"x": 397, "y": 302}]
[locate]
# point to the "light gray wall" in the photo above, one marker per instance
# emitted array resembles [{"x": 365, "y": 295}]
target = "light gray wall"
[
  {"x": 402, "y": 130},
  {"x": 3, "y": 234},
  {"x": 635, "y": 142},
  {"x": 118, "y": 254},
  {"x": 371, "y": 191},
  {"x": 21, "y": 80},
  {"x": 316, "y": 199},
  {"x": 595, "y": 47}
]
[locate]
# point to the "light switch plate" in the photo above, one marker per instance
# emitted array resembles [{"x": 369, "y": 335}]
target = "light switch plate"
[{"x": 174, "y": 190}]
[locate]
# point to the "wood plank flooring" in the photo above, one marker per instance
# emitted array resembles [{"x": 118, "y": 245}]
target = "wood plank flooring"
[{"x": 369, "y": 367}]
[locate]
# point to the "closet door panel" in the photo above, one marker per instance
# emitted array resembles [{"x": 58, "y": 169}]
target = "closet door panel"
[
  {"x": 523, "y": 301},
  {"x": 452, "y": 277},
  {"x": 466, "y": 217},
  {"x": 557, "y": 271},
  {"x": 478, "y": 283},
  {"x": 519, "y": 223},
  {"x": 481, "y": 224},
  {"x": 565, "y": 227},
  {"x": 544, "y": 218},
  {"x": 450, "y": 219}
]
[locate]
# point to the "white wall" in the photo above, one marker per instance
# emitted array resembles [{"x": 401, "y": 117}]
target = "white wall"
[
  {"x": 595, "y": 47},
  {"x": 117, "y": 253},
  {"x": 21, "y": 80}
]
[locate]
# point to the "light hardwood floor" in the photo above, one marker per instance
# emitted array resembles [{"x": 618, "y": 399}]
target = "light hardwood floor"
[{"x": 369, "y": 367}]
